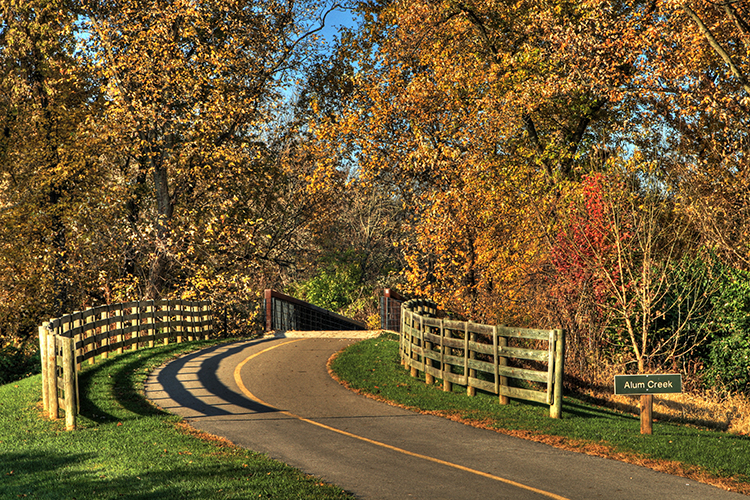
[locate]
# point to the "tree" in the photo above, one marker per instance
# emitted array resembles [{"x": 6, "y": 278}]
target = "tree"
[
  {"x": 627, "y": 247},
  {"x": 191, "y": 89},
  {"x": 468, "y": 113},
  {"x": 45, "y": 163},
  {"x": 579, "y": 292},
  {"x": 143, "y": 152},
  {"x": 693, "y": 84}
]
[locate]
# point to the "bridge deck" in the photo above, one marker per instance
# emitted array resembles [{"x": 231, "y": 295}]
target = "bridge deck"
[{"x": 329, "y": 334}]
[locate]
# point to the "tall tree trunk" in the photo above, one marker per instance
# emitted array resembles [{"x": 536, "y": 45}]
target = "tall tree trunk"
[
  {"x": 51, "y": 163},
  {"x": 165, "y": 207}
]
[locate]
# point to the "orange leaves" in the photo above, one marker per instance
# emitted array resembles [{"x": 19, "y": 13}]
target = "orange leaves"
[
  {"x": 436, "y": 117},
  {"x": 194, "y": 92}
]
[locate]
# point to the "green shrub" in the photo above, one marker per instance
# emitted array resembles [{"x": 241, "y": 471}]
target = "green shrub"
[
  {"x": 18, "y": 361},
  {"x": 728, "y": 358},
  {"x": 687, "y": 307},
  {"x": 335, "y": 287}
]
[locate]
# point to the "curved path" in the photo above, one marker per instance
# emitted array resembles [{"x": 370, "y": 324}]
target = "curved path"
[{"x": 275, "y": 396}]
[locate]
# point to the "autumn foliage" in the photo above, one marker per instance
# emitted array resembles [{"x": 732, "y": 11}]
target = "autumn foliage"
[
  {"x": 575, "y": 164},
  {"x": 557, "y": 162},
  {"x": 587, "y": 239}
]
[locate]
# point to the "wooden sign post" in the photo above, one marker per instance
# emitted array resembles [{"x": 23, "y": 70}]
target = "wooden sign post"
[{"x": 646, "y": 386}]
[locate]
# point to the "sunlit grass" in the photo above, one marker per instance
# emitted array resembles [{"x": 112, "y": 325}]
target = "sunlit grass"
[
  {"x": 126, "y": 448},
  {"x": 373, "y": 367}
]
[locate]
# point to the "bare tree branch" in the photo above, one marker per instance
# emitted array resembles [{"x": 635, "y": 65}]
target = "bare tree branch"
[{"x": 717, "y": 47}]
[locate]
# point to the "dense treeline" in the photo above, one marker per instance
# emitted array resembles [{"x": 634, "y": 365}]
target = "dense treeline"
[
  {"x": 145, "y": 152},
  {"x": 580, "y": 164},
  {"x": 574, "y": 164}
]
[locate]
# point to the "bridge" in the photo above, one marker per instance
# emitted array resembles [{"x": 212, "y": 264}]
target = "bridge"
[{"x": 85, "y": 336}]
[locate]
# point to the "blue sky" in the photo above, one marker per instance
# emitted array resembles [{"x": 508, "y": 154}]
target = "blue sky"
[{"x": 334, "y": 21}]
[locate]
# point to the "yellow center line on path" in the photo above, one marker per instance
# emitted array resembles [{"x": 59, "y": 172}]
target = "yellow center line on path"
[{"x": 250, "y": 395}]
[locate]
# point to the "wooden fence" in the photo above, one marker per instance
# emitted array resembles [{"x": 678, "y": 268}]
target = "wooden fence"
[
  {"x": 66, "y": 342},
  {"x": 476, "y": 356}
]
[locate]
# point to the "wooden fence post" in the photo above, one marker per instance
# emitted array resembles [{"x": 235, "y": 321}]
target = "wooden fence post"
[
  {"x": 496, "y": 361},
  {"x": 555, "y": 411},
  {"x": 413, "y": 358},
  {"x": 70, "y": 388},
  {"x": 53, "y": 413},
  {"x": 164, "y": 322},
  {"x": 501, "y": 361},
  {"x": 91, "y": 333},
  {"x": 119, "y": 312},
  {"x": 191, "y": 321},
  {"x": 469, "y": 389},
  {"x": 444, "y": 334},
  {"x": 150, "y": 323},
  {"x": 402, "y": 336},
  {"x": 105, "y": 330},
  {"x": 179, "y": 320},
  {"x": 408, "y": 341},
  {"x": 429, "y": 379},
  {"x": 75, "y": 322},
  {"x": 206, "y": 325},
  {"x": 472, "y": 337},
  {"x": 137, "y": 332},
  {"x": 199, "y": 320},
  {"x": 45, "y": 373}
]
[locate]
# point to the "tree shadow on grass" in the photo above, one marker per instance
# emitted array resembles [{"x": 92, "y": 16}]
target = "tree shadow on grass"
[
  {"x": 36, "y": 474},
  {"x": 571, "y": 407},
  {"x": 116, "y": 380},
  {"x": 48, "y": 475}
]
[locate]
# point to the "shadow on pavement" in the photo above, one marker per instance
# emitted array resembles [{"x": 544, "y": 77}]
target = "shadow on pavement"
[{"x": 207, "y": 377}]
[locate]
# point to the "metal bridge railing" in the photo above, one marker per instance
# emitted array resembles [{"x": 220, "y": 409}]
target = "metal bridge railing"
[
  {"x": 286, "y": 313},
  {"x": 390, "y": 310}
]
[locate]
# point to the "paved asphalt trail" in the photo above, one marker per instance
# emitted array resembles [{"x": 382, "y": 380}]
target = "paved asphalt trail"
[{"x": 274, "y": 395}]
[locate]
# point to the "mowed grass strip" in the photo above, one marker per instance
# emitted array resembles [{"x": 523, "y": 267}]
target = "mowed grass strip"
[
  {"x": 126, "y": 448},
  {"x": 372, "y": 367}
]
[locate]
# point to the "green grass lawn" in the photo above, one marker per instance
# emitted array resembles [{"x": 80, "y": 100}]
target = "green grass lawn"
[
  {"x": 373, "y": 367},
  {"x": 125, "y": 448}
]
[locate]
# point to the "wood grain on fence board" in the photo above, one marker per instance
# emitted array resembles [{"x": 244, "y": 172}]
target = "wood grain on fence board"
[{"x": 476, "y": 356}]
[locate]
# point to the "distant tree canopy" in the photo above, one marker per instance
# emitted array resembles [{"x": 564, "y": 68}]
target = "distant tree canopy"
[
  {"x": 583, "y": 164},
  {"x": 578, "y": 164}
]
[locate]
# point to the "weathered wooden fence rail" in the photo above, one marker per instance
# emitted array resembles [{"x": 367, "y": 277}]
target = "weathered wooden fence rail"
[
  {"x": 476, "y": 356},
  {"x": 66, "y": 342}
]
